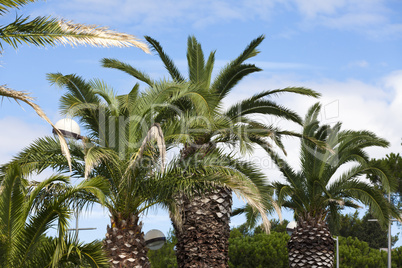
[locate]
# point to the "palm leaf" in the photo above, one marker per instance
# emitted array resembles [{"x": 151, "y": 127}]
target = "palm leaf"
[
  {"x": 116, "y": 64},
  {"x": 42, "y": 31},
  {"x": 228, "y": 78},
  {"x": 18, "y": 95},
  {"x": 5, "y": 5},
  {"x": 169, "y": 64}
]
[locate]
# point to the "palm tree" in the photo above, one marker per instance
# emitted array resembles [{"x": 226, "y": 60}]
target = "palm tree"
[
  {"x": 118, "y": 146},
  {"x": 28, "y": 210},
  {"x": 123, "y": 154},
  {"x": 234, "y": 127},
  {"x": 329, "y": 180}
]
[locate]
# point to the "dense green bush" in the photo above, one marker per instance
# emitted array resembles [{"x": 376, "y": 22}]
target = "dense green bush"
[
  {"x": 259, "y": 250},
  {"x": 355, "y": 253}
]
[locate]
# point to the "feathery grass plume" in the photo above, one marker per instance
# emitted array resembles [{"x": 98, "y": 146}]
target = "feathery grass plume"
[
  {"x": 94, "y": 35},
  {"x": 23, "y": 96}
]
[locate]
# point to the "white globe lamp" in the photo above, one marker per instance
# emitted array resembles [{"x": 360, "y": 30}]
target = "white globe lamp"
[
  {"x": 69, "y": 128},
  {"x": 154, "y": 239},
  {"x": 291, "y": 227}
]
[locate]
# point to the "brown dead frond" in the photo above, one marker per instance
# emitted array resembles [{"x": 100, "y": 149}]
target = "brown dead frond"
[
  {"x": 154, "y": 133},
  {"x": 94, "y": 35},
  {"x": 24, "y": 97}
]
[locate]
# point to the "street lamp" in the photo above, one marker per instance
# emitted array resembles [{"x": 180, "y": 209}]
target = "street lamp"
[
  {"x": 154, "y": 239},
  {"x": 291, "y": 227},
  {"x": 70, "y": 129},
  {"x": 389, "y": 234},
  {"x": 337, "y": 250}
]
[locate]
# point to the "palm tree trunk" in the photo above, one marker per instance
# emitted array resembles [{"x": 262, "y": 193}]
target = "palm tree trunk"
[
  {"x": 125, "y": 243},
  {"x": 204, "y": 234},
  {"x": 311, "y": 244}
]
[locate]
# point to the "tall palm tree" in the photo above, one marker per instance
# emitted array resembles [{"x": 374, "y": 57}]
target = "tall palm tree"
[
  {"x": 119, "y": 147},
  {"x": 329, "y": 180},
  {"x": 28, "y": 210},
  {"x": 207, "y": 218}
]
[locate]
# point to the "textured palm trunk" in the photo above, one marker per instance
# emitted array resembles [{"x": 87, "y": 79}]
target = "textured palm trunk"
[
  {"x": 125, "y": 243},
  {"x": 204, "y": 234},
  {"x": 311, "y": 244}
]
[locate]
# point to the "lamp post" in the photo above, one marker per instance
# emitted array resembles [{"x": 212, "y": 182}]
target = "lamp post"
[
  {"x": 389, "y": 235},
  {"x": 337, "y": 251},
  {"x": 71, "y": 130},
  {"x": 291, "y": 227}
]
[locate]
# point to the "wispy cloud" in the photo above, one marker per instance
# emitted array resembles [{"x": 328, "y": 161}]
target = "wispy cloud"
[
  {"x": 162, "y": 13},
  {"x": 371, "y": 17},
  {"x": 358, "y": 63},
  {"x": 16, "y": 134}
]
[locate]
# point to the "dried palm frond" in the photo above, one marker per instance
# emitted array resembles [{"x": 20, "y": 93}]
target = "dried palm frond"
[
  {"x": 23, "y": 96},
  {"x": 94, "y": 35},
  {"x": 154, "y": 133}
]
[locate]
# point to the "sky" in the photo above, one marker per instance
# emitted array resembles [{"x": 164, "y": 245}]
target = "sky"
[{"x": 348, "y": 50}]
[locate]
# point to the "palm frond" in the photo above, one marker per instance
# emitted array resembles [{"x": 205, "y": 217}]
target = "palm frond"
[
  {"x": 296, "y": 90},
  {"x": 203, "y": 171},
  {"x": 228, "y": 78},
  {"x": 95, "y": 155},
  {"x": 195, "y": 60},
  {"x": 22, "y": 96},
  {"x": 154, "y": 133},
  {"x": 250, "y": 51},
  {"x": 46, "y": 152},
  {"x": 116, "y": 64},
  {"x": 42, "y": 31},
  {"x": 169, "y": 64},
  {"x": 267, "y": 107},
  {"x": 5, "y": 5},
  {"x": 223, "y": 82},
  {"x": 81, "y": 101},
  {"x": 107, "y": 93}
]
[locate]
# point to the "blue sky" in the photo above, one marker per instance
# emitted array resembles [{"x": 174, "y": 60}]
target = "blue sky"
[{"x": 348, "y": 50}]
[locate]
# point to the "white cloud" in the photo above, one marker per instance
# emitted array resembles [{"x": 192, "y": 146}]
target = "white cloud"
[
  {"x": 161, "y": 13},
  {"x": 16, "y": 134},
  {"x": 358, "y": 105},
  {"x": 371, "y": 17},
  {"x": 312, "y": 8},
  {"x": 359, "y": 63}
]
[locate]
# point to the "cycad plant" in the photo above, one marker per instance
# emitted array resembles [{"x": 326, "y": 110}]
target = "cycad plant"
[
  {"x": 203, "y": 236},
  {"x": 330, "y": 179},
  {"x": 28, "y": 210}
]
